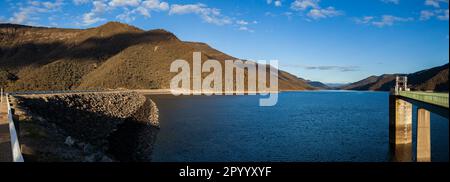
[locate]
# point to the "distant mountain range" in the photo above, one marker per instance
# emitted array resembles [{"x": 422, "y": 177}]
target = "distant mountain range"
[
  {"x": 110, "y": 56},
  {"x": 326, "y": 86},
  {"x": 335, "y": 85},
  {"x": 319, "y": 85},
  {"x": 434, "y": 79}
]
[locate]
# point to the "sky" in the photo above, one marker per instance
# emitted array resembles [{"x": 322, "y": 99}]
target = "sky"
[{"x": 332, "y": 41}]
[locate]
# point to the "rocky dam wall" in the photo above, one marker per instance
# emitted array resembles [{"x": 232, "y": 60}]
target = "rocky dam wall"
[{"x": 94, "y": 127}]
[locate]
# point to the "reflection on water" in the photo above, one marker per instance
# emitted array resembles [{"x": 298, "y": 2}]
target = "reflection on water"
[
  {"x": 303, "y": 127},
  {"x": 401, "y": 153}
]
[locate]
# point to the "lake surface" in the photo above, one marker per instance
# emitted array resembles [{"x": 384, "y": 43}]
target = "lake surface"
[{"x": 323, "y": 126}]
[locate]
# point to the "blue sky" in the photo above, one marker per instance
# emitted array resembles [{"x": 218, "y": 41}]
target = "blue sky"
[{"x": 333, "y": 41}]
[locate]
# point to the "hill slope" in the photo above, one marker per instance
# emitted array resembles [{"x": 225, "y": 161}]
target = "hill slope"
[
  {"x": 110, "y": 56},
  {"x": 319, "y": 85},
  {"x": 434, "y": 79}
]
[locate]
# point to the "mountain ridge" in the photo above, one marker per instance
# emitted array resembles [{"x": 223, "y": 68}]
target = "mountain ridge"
[
  {"x": 111, "y": 56},
  {"x": 433, "y": 79}
]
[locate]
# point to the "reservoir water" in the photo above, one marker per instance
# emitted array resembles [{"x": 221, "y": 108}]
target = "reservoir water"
[{"x": 322, "y": 126}]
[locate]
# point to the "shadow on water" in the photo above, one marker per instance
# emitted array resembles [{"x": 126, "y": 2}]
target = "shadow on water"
[{"x": 133, "y": 141}]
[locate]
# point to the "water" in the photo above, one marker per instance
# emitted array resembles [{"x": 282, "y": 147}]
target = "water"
[{"x": 302, "y": 127}]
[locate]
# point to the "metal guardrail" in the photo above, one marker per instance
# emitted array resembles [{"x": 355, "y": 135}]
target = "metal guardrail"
[
  {"x": 15, "y": 146},
  {"x": 439, "y": 99}
]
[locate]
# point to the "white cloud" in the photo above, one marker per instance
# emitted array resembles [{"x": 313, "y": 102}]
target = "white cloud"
[
  {"x": 364, "y": 20},
  {"x": 142, "y": 11},
  {"x": 301, "y": 5},
  {"x": 27, "y": 13},
  {"x": 126, "y": 16},
  {"x": 443, "y": 16},
  {"x": 91, "y": 18},
  {"x": 435, "y": 3},
  {"x": 20, "y": 17},
  {"x": 242, "y": 22},
  {"x": 186, "y": 9},
  {"x": 437, "y": 11},
  {"x": 383, "y": 21},
  {"x": 426, "y": 15},
  {"x": 314, "y": 10},
  {"x": 209, "y": 15},
  {"x": 288, "y": 15},
  {"x": 119, "y": 3},
  {"x": 99, "y": 7},
  {"x": 323, "y": 13},
  {"x": 131, "y": 8},
  {"x": 155, "y": 5},
  {"x": 391, "y": 1},
  {"x": 80, "y": 2},
  {"x": 389, "y": 20},
  {"x": 270, "y": 14},
  {"x": 244, "y": 25},
  {"x": 244, "y": 28},
  {"x": 278, "y": 3},
  {"x": 52, "y": 5},
  {"x": 129, "y": 15}
]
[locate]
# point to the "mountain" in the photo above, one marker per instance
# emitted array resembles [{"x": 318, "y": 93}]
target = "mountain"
[
  {"x": 319, "y": 85},
  {"x": 336, "y": 85},
  {"x": 434, "y": 79},
  {"x": 110, "y": 56}
]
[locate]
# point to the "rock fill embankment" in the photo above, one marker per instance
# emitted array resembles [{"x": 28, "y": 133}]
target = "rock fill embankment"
[{"x": 88, "y": 127}]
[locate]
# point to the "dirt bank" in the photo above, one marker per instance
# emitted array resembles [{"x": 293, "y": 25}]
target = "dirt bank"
[{"x": 87, "y": 127}]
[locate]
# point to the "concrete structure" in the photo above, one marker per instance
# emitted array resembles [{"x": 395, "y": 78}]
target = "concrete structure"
[
  {"x": 401, "y": 84},
  {"x": 5, "y": 137},
  {"x": 438, "y": 99},
  {"x": 400, "y": 121},
  {"x": 423, "y": 136},
  {"x": 9, "y": 144},
  {"x": 401, "y": 153}
]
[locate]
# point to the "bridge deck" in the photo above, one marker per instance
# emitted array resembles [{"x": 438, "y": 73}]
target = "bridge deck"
[
  {"x": 439, "y": 99},
  {"x": 5, "y": 137}
]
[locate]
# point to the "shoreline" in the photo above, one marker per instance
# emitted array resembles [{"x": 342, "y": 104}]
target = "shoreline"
[{"x": 168, "y": 92}]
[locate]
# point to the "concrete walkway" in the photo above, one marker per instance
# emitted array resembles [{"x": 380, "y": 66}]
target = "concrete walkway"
[{"x": 5, "y": 137}]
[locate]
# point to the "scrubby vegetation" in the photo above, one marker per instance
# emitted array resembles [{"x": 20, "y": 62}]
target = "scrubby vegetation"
[{"x": 111, "y": 56}]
